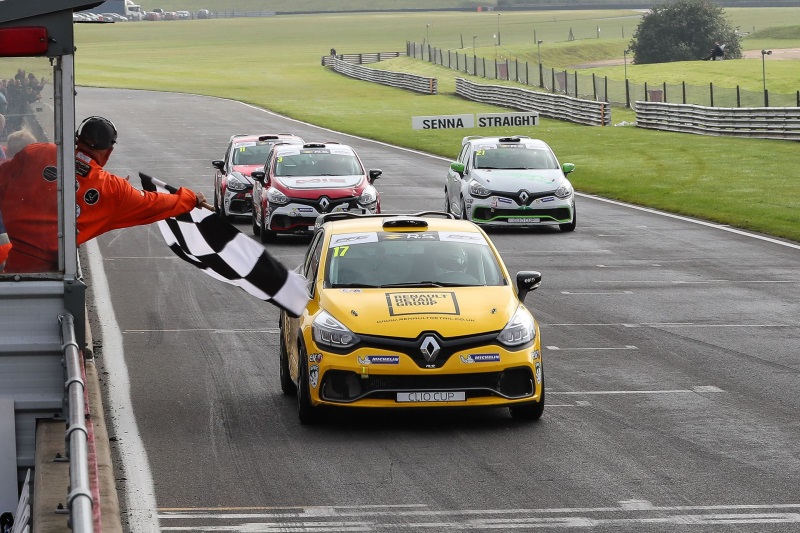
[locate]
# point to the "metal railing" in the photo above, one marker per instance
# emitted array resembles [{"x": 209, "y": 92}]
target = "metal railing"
[
  {"x": 411, "y": 82},
  {"x": 79, "y": 499}
]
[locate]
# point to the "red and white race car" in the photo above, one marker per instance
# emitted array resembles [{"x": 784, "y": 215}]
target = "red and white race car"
[
  {"x": 300, "y": 182},
  {"x": 233, "y": 186}
]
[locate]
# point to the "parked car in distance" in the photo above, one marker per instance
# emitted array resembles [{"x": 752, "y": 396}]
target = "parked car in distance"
[
  {"x": 411, "y": 311},
  {"x": 183, "y": 15},
  {"x": 203, "y": 14},
  {"x": 152, "y": 15},
  {"x": 170, "y": 15},
  {"x": 300, "y": 182},
  {"x": 510, "y": 181},
  {"x": 233, "y": 186},
  {"x": 116, "y": 17}
]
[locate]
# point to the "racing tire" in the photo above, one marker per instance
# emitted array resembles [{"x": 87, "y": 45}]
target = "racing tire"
[
  {"x": 256, "y": 226},
  {"x": 222, "y": 214},
  {"x": 307, "y": 413},
  {"x": 265, "y": 234},
  {"x": 570, "y": 226},
  {"x": 463, "y": 214},
  {"x": 216, "y": 199},
  {"x": 287, "y": 385},
  {"x": 447, "y": 203},
  {"x": 529, "y": 411}
]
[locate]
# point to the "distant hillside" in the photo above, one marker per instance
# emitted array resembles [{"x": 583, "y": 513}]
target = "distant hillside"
[{"x": 324, "y": 6}]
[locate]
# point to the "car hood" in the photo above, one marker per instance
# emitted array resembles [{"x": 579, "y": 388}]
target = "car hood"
[
  {"x": 245, "y": 170},
  {"x": 407, "y": 312},
  {"x": 320, "y": 182},
  {"x": 515, "y": 180}
]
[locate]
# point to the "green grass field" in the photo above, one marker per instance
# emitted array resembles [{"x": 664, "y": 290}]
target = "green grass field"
[{"x": 275, "y": 63}]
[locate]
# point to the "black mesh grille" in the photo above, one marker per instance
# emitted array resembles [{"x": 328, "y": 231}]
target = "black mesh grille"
[{"x": 486, "y": 213}]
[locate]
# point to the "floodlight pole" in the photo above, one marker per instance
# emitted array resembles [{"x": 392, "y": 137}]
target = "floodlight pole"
[
  {"x": 498, "y": 29},
  {"x": 764, "y": 54}
]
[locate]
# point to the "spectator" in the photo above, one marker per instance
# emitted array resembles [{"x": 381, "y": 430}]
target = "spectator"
[
  {"x": 104, "y": 202},
  {"x": 3, "y": 154},
  {"x": 17, "y": 141},
  {"x": 717, "y": 53}
]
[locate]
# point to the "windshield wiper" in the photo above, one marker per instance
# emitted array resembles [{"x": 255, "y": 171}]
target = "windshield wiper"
[{"x": 353, "y": 286}]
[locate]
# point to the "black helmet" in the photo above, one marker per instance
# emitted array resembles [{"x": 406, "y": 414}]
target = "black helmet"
[
  {"x": 97, "y": 132},
  {"x": 451, "y": 257}
]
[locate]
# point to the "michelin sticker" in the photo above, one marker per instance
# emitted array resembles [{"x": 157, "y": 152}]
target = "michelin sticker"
[
  {"x": 538, "y": 373},
  {"x": 481, "y": 358},
  {"x": 315, "y": 358},
  {"x": 379, "y": 360},
  {"x": 313, "y": 376}
]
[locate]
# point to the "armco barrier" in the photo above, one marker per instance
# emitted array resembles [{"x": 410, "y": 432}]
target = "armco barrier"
[
  {"x": 556, "y": 106},
  {"x": 400, "y": 80},
  {"x": 756, "y": 122}
]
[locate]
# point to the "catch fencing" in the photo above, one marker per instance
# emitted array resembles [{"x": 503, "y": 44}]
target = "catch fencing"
[{"x": 597, "y": 87}]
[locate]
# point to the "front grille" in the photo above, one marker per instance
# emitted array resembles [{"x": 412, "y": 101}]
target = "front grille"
[
  {"x": 351, "y": 202},
  {"x": 412, "y": 347},
  {"x": 560, "y": 214},
  {"x": 284, "y": 222},
  {"x": 345, "y": 387},
  {"x": 242, "y": 206}
]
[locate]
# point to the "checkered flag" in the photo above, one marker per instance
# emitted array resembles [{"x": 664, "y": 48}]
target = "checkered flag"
[{"x": 204, "y": 239}]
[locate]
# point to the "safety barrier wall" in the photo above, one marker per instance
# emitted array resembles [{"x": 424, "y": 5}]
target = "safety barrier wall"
[
  {"x": 400, "y": 80},
  {"x": 755, "y": 122},
  {"x": 361, "y": 59},
  {"x": 556, "y": 106}
]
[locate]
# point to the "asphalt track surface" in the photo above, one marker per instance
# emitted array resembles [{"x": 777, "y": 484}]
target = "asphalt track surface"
[{"x": 671, "y": 356}]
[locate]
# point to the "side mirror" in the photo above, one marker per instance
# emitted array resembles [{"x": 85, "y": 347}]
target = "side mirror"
[
  {"x": 527, "y": 281},
  {"x": 375, "y": 174},
  {"x": 259, "y": 176},
  {"x": 218, "y": 164},
  {"x": 458, "y": 168},
  {"x": 568, "y": 167}
]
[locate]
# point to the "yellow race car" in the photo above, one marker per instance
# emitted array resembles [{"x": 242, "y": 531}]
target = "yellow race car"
[{"x": 410, "y": 311}]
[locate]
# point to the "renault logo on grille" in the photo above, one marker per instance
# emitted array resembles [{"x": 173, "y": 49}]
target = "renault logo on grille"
[
  {"x": 523, "y": 196},
  {"x": 430, "y": 349},
  {"x": 324, "y": 203}
]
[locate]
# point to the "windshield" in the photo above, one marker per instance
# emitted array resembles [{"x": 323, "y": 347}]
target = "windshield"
[
  {"x": 514, "y": 157},
  {"x": 251, "y": 153},
  {"x": 317, "y": 163},
  {"x": 394, "y": 259}
]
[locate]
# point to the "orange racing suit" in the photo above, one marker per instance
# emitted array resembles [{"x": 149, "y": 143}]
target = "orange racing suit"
[{"x": 103, "y": 202}]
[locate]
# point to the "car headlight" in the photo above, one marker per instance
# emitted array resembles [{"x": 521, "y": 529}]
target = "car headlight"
[
  {"x": 477, "y": 190},
  {"x": 368, "y": 197},
  {"x": 236, "y": 184},
  {"x": 519, "y": 330},
  {"x": 565, "y": 191},
  {"x": 276, "y": 197},
  {"x": 330, "y": 332}
]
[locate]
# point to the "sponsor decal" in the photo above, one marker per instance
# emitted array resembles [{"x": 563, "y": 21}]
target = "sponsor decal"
[
  {"x": 77, "y": 210},
  {"x": 468, "y": 202},
  {"x": 493, "y": 202},
  {"x": 315, "y": 358},
  {"x": 313, "y": 376},
  {"x": 379, "y": 360},
  {"x": 82, "y": 157},
  {"x": 91, "y": 197},
  {"x": 320, "y": 180},
  {"x": 481, "y": 358},
  {"x": 349, "y": 239},
  {"x": 535, "y": 355},
  {"x": 407, "y": 237},
  {"x": 306, "y": 209},
  {"x": 50, "y": 173},
  {"x": 433, "y": 396},
  {"x": 422, "y": 303},
  {"x": 504, "y": 200},
  {"x": 352, "y": 290},
  {"x": 462, "y": 236},
  {"x": 242, "y": 146},
  {"x": 538, "y": 373},
  {"x": 548, "y": 199}
]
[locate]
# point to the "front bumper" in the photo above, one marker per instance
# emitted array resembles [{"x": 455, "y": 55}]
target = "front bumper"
[
  {"x": 301, "y": 218},
  {"x": 488, "y": 376},
  {"x": 239, "y": 203},
  {"x": 507, "y": 212}
]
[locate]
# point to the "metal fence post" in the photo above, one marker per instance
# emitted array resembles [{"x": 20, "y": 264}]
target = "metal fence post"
[
  {"x": 664, "y": 98},
  {"x": 711, "y": 92},
  {"x": 627, "y": 94},
  {"x": 541, "y": 78},
  {"x": 684, "y": 91},
  {"x": 766, "y": 98},
  {"x": 576, "y": 84},
  {"x": 645, "y": 92},
  {"x": 738, "y": 97}
]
